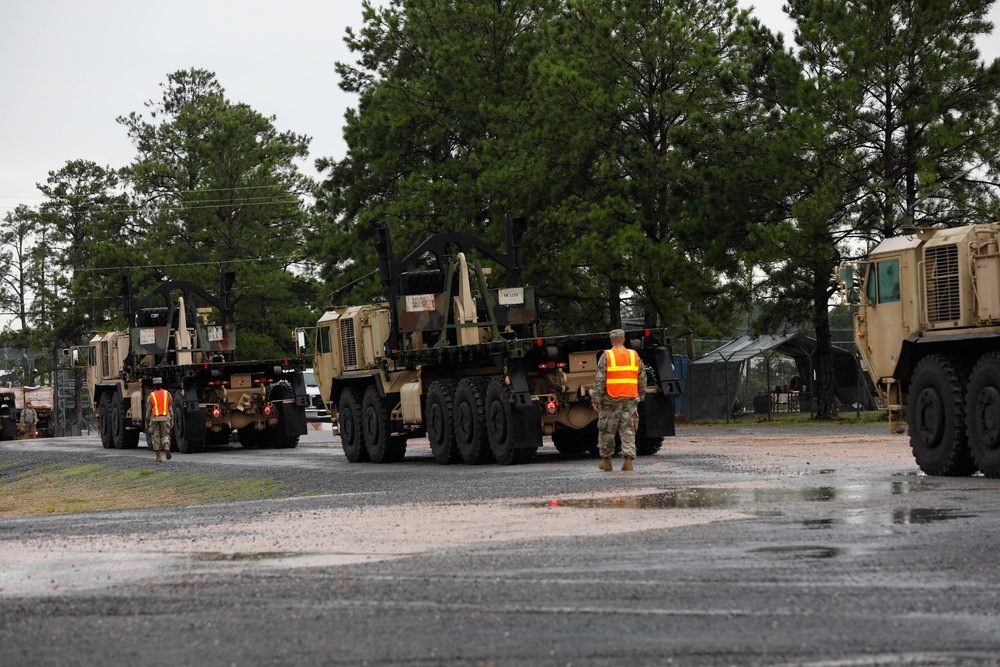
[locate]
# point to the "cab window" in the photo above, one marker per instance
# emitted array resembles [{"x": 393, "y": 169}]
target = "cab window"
[
  {"x": 888, "y": 281},
  {"x": 882, "y": 285},
  {"x": 323, "y": 340}
]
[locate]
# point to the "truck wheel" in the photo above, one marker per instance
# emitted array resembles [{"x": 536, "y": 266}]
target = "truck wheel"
[
  {"x": 576, "y": 441},
  {"x": 352, "y": 436},
  {"x": 104, "y": 424},
  {"x": 440, "y": 421},
  {"x": 131, "y": 439},
  {"x": 118, "y": 422},
  {"x": 500, "y": 427},
  {"x": 383, "y": 447},
  {"x": 983, "y": 414},
  {"x": 936, "y": 418},
  {"x": 470, "y": 421},
  {"x": 280, "y": 392},
  {"x": 179, "y": 436}
]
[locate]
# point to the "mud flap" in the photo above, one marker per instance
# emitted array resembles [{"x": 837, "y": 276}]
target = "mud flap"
[
  {"x": 658, "y": 413},
  {"x": 527, "y": 426},
  {"x": 9, "y": 430},
  {"x": 194, "y": 425},
  {"x": 291, "y": 420}
]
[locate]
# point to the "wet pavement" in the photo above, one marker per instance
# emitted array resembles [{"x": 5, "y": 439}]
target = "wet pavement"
[{"x": 732, "y": 546}]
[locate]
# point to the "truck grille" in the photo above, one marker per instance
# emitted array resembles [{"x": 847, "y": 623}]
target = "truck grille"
[
  {"x": 348, "y": 343},
  {"x": 105, "y": 365},
  {"x": 944, "y": 302}
]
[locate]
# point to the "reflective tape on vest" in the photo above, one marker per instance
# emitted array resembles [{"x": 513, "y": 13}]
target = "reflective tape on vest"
[
  {"x": 160, "y": 400},
  {"x": 623, "y": 372}
]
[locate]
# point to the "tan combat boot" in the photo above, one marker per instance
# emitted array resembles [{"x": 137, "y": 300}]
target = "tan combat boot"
[
  {"x": 158, "y": 459},
  {"x": 167, "y": 452},
  {"x": 605, "y": 464},
  {"x": 627, "y": 465}
]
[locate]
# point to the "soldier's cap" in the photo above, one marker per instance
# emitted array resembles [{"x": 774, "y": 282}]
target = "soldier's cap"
[
  {"x": 617, "y": 333},
  {"x": 157, "y": 380}
]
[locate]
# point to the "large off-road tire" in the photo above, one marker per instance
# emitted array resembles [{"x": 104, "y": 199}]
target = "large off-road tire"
[
  {"x": 936, "y": 418},
  {"x": 576, "y": 441},
  {"x": 352, "y": 435},
  {"x": 181, "y": 441},
  {"x": 982, "y": 418},
  {"x": 500, "y": 426},
  {"x": 279, "y": 392},
  {"x": 383, "y": 447},
  {"x": 440, "y": 421},
  {"x": 118, "y": 421},
  {"x": 104, "y": 423},
  {"x": 470, "y": 421}
]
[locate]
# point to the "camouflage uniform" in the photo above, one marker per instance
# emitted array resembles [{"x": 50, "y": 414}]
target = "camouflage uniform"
[
  {"x": 158, "y": 428},
  {"x": 617, "y": 415}
]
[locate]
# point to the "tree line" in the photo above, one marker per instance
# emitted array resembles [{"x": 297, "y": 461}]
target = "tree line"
[{"x": 678, "y": 164}]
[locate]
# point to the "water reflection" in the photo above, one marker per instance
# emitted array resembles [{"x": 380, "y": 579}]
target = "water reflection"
[{"x": 739, "y": 498}]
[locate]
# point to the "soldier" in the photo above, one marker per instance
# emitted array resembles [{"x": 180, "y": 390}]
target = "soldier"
[
  {"x": 159, "y": 419},
  {"x": 29, "y": 418},
  {"x": 616, "y": 396}
]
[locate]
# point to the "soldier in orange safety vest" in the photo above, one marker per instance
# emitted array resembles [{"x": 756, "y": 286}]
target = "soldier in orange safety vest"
[
  {"x": 619, "y": 385},
  {"x": 159, "y": 419}
]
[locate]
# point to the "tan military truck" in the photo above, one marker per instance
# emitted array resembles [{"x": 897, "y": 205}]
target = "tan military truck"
[
  {"x": 928, "y": 328},
  {"x": 451, "y": 357},
  {"x": 194, "y": 355}
]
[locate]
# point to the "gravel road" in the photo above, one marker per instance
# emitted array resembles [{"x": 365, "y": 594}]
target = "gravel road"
[{"x": 732, "y": 546}]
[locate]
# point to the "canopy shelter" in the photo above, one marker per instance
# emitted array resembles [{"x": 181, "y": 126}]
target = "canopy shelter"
[{"x": 716, "y": 381}]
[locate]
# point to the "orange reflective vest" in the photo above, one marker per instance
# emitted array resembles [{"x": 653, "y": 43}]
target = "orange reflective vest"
[
  {"x": 160, "y": 400},
  {"x": 623, "y": 372}
]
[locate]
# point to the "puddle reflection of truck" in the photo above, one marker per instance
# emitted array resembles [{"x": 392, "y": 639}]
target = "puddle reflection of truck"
[
  {"x": 464, "y": 363},
  {"x": 214, "y": 394},
  {"x": 928, "y": 328}
]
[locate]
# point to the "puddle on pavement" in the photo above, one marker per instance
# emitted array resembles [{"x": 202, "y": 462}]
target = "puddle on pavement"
[
  {"x": 244, "y": 556},
  {"x": 746, "y": 499},
  {"x": 805, "y": 551},
  {"x": 899, "y": 516}
]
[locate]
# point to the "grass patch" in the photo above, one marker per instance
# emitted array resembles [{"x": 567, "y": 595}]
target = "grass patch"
[{"x": 56, "y": 489}]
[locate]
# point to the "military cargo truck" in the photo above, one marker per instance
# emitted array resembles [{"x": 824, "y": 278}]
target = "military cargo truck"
[
  {"x": 928, "y": 328},
  {"x": 194, "y": 355},
  {"x": 451, "y": 357}
]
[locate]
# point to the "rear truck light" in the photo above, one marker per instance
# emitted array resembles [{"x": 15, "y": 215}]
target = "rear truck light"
[
  {"x": 552, "y": 405},
  {"x": 646, "y": 333},
  {"x": 538, "y": 342},
  {"x": 268, "y": 410},
  {"x": 216, "y": 412}
]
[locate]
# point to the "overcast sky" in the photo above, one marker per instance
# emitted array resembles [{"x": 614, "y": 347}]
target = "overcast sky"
[{"x": 69, "y": 68}]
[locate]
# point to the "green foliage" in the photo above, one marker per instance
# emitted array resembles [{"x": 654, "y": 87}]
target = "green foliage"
[{"x": 218, "y": 190}]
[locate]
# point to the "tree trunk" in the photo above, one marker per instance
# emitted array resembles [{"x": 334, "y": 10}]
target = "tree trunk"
[{"x": 825, "y": 387}]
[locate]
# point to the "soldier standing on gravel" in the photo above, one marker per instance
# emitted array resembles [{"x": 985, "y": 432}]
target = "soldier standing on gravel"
[
  {"x": 29, "y": 418},
  {"x": 159, "y": 419},
  {"x": 616, "y": 396}
]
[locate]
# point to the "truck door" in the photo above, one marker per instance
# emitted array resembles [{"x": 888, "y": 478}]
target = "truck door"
[{"x": 883, "y": 323}]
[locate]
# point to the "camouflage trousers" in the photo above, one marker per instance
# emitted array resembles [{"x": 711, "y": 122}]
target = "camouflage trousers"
[
  {"x": 159, "y": 434},
  {"x": 619, "y": 416}
]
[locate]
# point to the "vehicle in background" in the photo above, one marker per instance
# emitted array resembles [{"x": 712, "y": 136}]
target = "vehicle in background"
[
  {"x": 316, "y": 410},
  {"x": 192, "y": 351}
]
